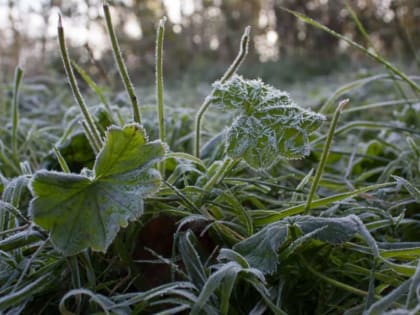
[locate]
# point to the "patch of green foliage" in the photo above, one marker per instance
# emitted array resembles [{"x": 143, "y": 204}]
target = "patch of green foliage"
[{"x": 279, "y": 213}]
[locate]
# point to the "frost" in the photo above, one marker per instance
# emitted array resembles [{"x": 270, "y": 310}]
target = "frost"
[
  {"x": 87, "y": 210},
  {"x": 269, "y": 126},
  {"x": 260, "y": 250}
]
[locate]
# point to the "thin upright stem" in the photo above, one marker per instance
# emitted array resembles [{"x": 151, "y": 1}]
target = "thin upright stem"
[
  {"x": 91, "y": 129},
  {"x": 324, "y": 154},
  {"x": 159, "y": 84},
  {"x": 121, "y": 65},
  {"x": 15, "y": 109},
  {"x": 243, "y": 51}
]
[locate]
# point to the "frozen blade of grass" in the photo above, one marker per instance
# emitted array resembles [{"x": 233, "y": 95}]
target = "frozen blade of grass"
[
  {"x": 20, "y": 239},
  {"x": 380, "y": 306},
  {"x": 262, "y": 290},
  {"x": 15, "y": 110},
  {"x": 316, "y": 203},
  {"x": 368, "y": 52},
  {"x": 5, "y": 206},
  {"x": 101, "y": 300},
  {"x": 191, "y": 260},
  {"x": 159, "y": 78},
  {"x": 186, "y": 156},
  {"x": 240, "y": 211},
  {"x": 15, "y": 298},
  {"x": 412, "y": 190},
  {"x": 324, "y": 154},
  {"x": 380, "y": 105},
  {"x": 229, "y": 254},
  {"x": 365, "y": 35},
  {"x": 326, "y": 108},
  {"x": 88, "y": 119},
  {"x": 129, "y": 87},
  {"x": 367, "y": 125},
  {"x": 212, "y": 283},
  {"x": 414, "y": 288}
]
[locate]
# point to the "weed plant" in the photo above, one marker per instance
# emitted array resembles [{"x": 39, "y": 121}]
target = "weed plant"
[{"x": 284, "y": 211}]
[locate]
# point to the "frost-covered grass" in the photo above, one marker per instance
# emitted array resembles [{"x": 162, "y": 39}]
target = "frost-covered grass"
[{"x": 249, "y": 204}]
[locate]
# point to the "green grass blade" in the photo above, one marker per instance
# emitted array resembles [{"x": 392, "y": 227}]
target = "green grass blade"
[
  {"x": 129, "y": 87},
  {"x": 317, "y": 203},
  {"x": 25, "y": 293},
  {"x": 15, "y": 109},
  {"x": 95, "y": 88}
]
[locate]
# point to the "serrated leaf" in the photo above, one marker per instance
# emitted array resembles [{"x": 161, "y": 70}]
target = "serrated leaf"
[
  {"x": 248, "y": 95},
  {"x": 249, "y": 139},
  {"x": 269, "y": 126},
  {"x": 261, "y": 249},
  {"x": 87, "y": 210}
]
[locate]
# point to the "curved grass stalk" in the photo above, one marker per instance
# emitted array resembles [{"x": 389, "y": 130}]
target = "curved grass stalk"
[
  {"x": 380, "y": 104},
  {"x": 324, "y": 154},
  {"x": 334, "y": 282},
  {"x": 91, "y": 130},
  {"x": 367, "y": 125},
  {"x": 243, "y": 51},
  {"x": 365, "y": 35},
  {"x": 368, "y": 52},
  {"x": 273, "y": 215},
  {"x": 129, "y": 87}
]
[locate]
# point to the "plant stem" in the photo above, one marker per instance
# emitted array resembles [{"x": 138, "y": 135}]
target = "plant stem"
[
  {"x": 61, "y": 160},
  {"x": 159, "y": 84},
  {"x": 324, "y": 154},
  {"x": 15, "y": 109},
  {"x": 243, "y": 50},
  {"x": 91, "y": 129},
  {"x": 221, "y": 172},
  {"x": 121, "y": 65},
  {"x": 91, "y": 141}
]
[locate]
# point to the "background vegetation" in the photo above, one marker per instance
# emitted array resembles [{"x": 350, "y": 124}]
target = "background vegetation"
[
  {"x": 202, "y": 32},
  {"x": 247, "y": 204}
]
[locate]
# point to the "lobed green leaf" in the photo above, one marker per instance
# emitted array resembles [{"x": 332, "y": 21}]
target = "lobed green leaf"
[{"x": 88, "y": 209}]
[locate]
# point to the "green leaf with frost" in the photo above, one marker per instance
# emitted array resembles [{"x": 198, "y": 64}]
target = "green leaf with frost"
[
  {"x": 249, "y": 139},
  {"x": 248, "y": 95},
  {"x": 269, "y": 126},
  {"x": 88, "y": 209},
  {"x": 261, "y": 249}
]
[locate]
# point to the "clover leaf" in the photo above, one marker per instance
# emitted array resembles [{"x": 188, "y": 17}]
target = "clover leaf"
[
  {"x": 87, "y": 210},
  {"x": 269, "y": 126}
]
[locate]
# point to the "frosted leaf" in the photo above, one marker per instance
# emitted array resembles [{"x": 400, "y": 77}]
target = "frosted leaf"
[
  {"x": 249, "y": 139},
  {"x": 269, "y": 126},
  {"x": 248, "y": 95},
  {"x": 261, "y": 249},
  {"x": 88, "y": 209}
]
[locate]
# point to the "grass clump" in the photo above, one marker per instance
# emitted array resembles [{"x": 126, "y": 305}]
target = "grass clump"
[{"x": 130, "y": 218}]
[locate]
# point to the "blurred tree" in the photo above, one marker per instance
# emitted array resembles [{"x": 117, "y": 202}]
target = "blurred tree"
[{"x": 204, "y": 31}]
